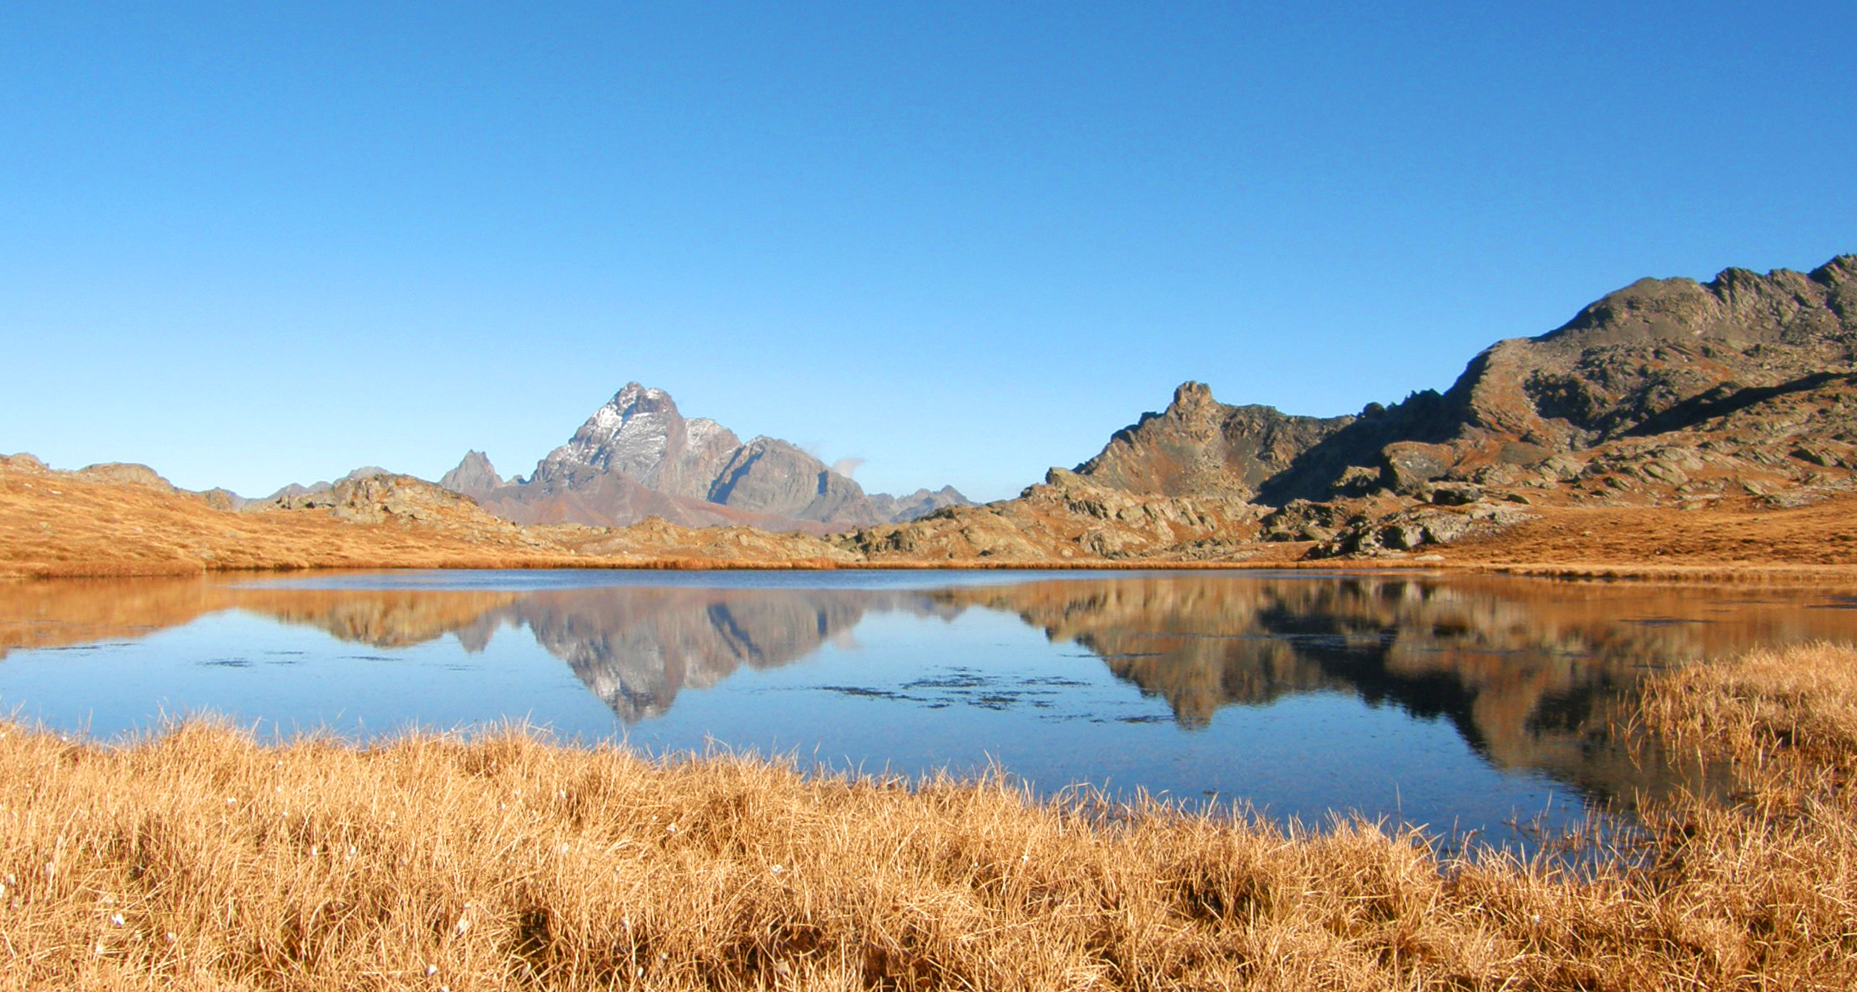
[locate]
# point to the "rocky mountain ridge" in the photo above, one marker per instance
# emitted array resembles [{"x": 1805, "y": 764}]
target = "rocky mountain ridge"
[
  {"x": 1667, "y": 393},
  {"x": 1678, "y": 414},
  {"x": 639, "y": 457}
]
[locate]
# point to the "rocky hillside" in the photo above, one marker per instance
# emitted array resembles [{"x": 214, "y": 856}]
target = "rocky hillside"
[
  {"x": 638, "y": 457},
  {"x": 1672, "y": 422},
  {"x": 1069, "y": 518},
  {"x": 1668, "y": 393},
  {"x": 1744, "y": 376},
  {"x": 1201, "y": 447}
]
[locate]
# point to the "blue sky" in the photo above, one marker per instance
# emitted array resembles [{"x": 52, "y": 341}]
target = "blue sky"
[{"x": 251, "y": 244}]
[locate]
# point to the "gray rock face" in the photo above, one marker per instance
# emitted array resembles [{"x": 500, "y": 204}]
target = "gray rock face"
[
  {"x": 916, "y": 505},
  {"x": 638, "y": 457},
  {"x": 474, "y": 473},
  {"x": 768, "y": 475}
]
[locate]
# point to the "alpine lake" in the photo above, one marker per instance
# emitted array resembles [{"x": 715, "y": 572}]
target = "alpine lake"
[{"x": 1490, "y": 710}]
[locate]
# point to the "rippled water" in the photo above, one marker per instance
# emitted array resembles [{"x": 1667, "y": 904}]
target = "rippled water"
[{"x": 1465, "y": 703}]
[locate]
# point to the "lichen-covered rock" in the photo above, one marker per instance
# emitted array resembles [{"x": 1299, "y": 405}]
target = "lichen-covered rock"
[{"x": 1417, "y": 527}]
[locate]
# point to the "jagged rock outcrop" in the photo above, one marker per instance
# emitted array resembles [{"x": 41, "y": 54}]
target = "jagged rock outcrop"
[
  {"x": 473, "y": 473},
  {"x": 1201, "y": 447},
  {"x": 638, "y": 457},
  {"x": 1657, "y": 376}
]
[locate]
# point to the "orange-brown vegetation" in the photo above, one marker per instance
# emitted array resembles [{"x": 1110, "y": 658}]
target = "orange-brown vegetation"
[
  {"x": 1811, "y": 542},
  {"x": 66, "y": 524},
  {"x": 202, "y": 860},
  {"x": 61, "y": 524}
]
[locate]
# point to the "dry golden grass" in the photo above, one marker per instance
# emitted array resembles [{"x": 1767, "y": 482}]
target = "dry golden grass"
[
  {"x": 1816, "y": 538},
  {"x": 71, "y": 524},
  {"x": 1795, "y": 709},
  {"x": 200, "y": 859}
]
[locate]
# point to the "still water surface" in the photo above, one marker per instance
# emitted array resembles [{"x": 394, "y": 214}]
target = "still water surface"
[{"x": 1464, "y": 703}]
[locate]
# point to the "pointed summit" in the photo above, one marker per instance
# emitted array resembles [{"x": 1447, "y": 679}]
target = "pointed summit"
[
  {"x": 1201, "y": 447},
  {"x": 637, "y": 457},
  {"x": 640, "y": 434},
  {"x": 1191, "y": 395},
  {"x": 473, "y": 474}
]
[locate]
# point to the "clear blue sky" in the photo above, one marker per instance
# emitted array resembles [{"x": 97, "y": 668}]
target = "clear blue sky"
[{"x": 251, "y": 244}]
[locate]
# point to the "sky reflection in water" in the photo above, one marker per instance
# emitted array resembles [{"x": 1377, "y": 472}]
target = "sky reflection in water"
[{"x": 1462, "y": 701}]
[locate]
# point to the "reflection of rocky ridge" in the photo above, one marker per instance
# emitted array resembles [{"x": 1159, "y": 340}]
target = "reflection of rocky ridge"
[
  {"x": 384, "y": 618},
  {"x": 1532, "y": 673},
  {"x": 635, "y": 648}
]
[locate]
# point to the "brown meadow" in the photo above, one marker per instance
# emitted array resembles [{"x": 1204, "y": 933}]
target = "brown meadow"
[{"x": 57, "y": 524}]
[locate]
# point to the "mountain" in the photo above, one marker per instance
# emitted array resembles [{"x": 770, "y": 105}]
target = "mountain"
[
  {"x": 1734, "y": 368},
  {"x": 918, "y": 504},
  {"x": 1737, "y": 371},
  {"x": 1667, "y": 393},
  {"x": 638, "y": 457},
  {"x": 474, "y": 472}
]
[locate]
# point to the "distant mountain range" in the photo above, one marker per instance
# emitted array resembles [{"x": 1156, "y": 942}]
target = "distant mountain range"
[
  {"x": 638, "y": 457},
  {"x": 1739, "y": 393}
]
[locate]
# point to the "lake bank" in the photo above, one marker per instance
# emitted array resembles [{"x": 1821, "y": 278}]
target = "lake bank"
[
  {"x": 201, "y": 859},
  {"x": 1466, "y": 702},
  {"x": 69, "y": 525}
]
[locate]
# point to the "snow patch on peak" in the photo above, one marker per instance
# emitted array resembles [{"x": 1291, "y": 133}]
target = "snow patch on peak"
[
  {"x": 608, "y": 419},
  {"x": 701, "y": 430}
]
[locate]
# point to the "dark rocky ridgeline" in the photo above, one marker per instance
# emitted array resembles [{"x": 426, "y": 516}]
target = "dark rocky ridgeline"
[
  {"x": 1720, "y": 369},
  {"x": 1201, "y": 447},
  {"x": 1666, "y": 393},
  {"x": 638, "y": 457}
]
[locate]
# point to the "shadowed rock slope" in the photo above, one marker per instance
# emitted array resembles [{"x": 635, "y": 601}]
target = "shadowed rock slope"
[{"x": 1736, "y": 393}]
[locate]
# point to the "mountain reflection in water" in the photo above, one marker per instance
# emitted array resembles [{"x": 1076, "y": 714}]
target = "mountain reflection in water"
[
  {"x": 1534, "y": 675},
  {"x": 637, "y": 648}
]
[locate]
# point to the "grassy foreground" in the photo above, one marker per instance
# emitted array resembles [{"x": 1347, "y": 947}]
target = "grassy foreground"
[{"x": 202, "y": 860}]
